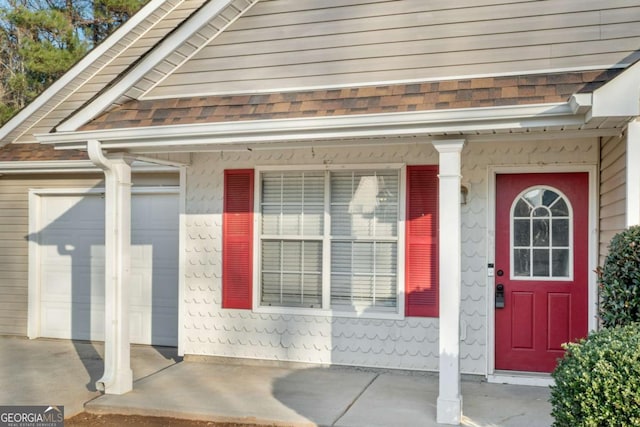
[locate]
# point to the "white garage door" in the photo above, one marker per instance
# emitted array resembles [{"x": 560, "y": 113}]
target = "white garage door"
[{"x": 71, "y": 267}]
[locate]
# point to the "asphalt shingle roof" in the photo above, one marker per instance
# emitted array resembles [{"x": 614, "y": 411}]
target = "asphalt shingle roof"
[{"x": 439, "y": 95}]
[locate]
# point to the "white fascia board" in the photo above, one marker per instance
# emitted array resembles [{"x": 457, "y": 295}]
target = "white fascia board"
[
  {"x": 46, "y": 166},
  {"x": 301, "y": 129},
  {"x": 75, "y": 166},
  {"x": 77, "y": 69},
  {"x": 148, "y": 62},
  {"x": 619, "y": 97}
]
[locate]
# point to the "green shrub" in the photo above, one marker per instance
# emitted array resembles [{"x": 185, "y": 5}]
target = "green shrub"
[
  {"x": 597, "y": 383},
  {"x": 619, "y": 280}
]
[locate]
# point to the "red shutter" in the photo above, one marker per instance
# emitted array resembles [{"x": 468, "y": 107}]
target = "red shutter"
[
  {"x": 421, "y": 262},
  {"x": 237, "y": 239}
]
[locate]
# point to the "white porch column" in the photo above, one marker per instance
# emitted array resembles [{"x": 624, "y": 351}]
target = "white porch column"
[
  {"x": 117, "y": 377},
  {"x": 450, "y": 398},
  {"x": 633, "y": 173}
]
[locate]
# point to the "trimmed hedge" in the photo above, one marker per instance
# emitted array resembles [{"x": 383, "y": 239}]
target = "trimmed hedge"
[
  {"x": 619, "y": 280},
  {"x": 597, "y": 383}
]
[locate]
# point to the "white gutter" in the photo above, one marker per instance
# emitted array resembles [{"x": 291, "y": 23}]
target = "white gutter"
[
  {"x": 301, "y": 129},
  {"x": 80, "y": 67}
]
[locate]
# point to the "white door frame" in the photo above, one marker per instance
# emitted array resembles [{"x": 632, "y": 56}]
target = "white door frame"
[
  {"x": 592, "y": 263},
  {"x": 35, "y": 215}
]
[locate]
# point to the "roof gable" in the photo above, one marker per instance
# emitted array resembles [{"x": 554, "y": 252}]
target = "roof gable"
[
  {"x": 99, "y": 68},
  {"x": 205, "y": 24},
  {"x": 157, "y": 53}
]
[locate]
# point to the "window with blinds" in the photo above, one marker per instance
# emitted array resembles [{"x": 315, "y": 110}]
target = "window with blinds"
[
  {"x": 364, "y": 238},
  {"x": 292, "y": 208},
  {"x": 351, "y": 214}
]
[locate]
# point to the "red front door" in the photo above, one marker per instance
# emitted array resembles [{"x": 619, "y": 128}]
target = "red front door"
[{"x": 540, "y": 268}]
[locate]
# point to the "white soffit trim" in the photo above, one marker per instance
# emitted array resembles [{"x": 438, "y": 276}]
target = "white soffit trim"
[
  {"x": 619, "y": 97},
  {"x": 148, "y": 62},
  {"x": 304, "y": 129},
  {"x": 77, "y": 69}
]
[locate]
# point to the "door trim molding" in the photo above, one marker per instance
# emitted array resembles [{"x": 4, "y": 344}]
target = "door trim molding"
[
  {"x": 525, "y": 378},
  {"x": 34, "y": 293}
]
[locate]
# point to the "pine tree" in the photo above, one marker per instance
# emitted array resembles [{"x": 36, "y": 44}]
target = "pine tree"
[{"x": 41, "y": 39}]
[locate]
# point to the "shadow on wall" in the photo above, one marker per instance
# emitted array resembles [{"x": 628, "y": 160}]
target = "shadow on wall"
[{"x": 70, "y": 263}]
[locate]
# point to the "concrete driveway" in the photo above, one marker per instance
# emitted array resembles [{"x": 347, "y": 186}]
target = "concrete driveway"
[{"x": 63, "y": 372}]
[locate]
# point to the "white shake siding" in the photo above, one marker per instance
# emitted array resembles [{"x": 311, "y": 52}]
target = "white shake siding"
[
  {"x": 286, "y": 44},
  {"x": 411, "y": 343}
]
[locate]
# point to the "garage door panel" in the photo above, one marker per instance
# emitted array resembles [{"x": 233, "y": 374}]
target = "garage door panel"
[
  {"x": 139, "y": 291},
  {"x": 163, "y": 326},
  {"x": 83, "y": 322},
  {"x": 163, "y": 249},
  {"x": 56, "y": 286},
  {"x": 164, "y": 335},
  {"x": 77, "y": 284},
  {"x": 56, "y": 319},
  {"x": 153, "y": 210},
  {"x": 137, "y": 321},
  {"x": 165, "y": 295},
  {"x": 59, "y": 205},
  {"x": 71, "y": 267}
]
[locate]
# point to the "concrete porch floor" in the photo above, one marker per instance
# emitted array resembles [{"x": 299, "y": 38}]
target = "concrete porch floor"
[{"x": 35, "y": 372}]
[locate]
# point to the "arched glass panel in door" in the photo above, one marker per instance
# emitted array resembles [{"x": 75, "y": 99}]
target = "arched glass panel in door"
[{"x": 541, "y": 235}]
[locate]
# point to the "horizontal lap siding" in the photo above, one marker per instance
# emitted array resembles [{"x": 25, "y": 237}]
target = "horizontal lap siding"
[
  {"x": 283, "y": 44},
  {"x": 612, "y": 191},
  {"x": 14, "y": 231}
]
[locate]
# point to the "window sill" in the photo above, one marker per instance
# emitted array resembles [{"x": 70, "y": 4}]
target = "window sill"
[{"x": 352, "y": 314}]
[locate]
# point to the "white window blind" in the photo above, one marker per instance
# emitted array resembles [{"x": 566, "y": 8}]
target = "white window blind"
[
  {"x": 362, "y": 238},
  {"x": 364, "y": 233},
  {"x": 292, "y": 210}
]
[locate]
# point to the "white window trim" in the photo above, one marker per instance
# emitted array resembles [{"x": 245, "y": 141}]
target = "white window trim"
[
  {"x": 398, "y": 313},
  {"x": 571, "y": 248}
]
